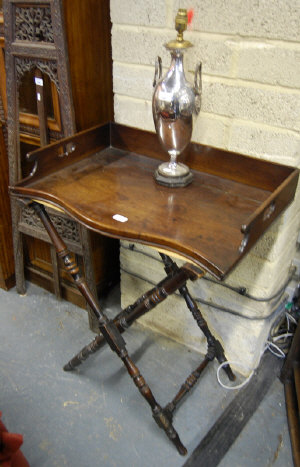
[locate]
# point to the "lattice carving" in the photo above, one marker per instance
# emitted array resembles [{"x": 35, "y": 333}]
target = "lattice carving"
[
  {"x": 67, "y": 228},
  {"x": 33, "y": 24},
  {"x": 35, "y": 131},
  {"x": 48, "y": 67}
]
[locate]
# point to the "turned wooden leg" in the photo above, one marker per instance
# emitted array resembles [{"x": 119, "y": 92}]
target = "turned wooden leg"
[
  {"x": 125, "y": 318},
  {"x": 122, "y": 321},
  {"x": 96, "y": 344},
  {"x": 110, "y": 331},
  {"x": 158, "y": 414},
  {"x": 213, "y": 344},
  {"x": 55, "y": 267},
  {"x": 186, "y": 387},
  {"x": 107, "y": 328}
]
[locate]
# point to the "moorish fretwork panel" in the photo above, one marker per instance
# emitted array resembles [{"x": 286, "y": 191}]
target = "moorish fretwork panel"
[
  {"x": 66, "y": 227},
  {"x": 33, "y": 24}
]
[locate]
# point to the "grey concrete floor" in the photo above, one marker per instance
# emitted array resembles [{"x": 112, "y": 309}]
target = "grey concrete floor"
[{"x": 95, "y": 415}]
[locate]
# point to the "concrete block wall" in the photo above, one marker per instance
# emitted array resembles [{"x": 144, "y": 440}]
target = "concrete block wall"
[{"x": 250, "y": 53}]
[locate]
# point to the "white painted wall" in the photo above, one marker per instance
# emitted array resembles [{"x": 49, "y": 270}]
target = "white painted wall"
[{"x": 250, "y": 52}]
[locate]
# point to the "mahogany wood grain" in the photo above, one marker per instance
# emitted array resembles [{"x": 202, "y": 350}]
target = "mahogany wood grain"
[
  {"x": 247, "y": 170},
  {"x": 59, "y": 154},
  {"x": 205, "y": 222},
  {"x": 88, "y": 33}
]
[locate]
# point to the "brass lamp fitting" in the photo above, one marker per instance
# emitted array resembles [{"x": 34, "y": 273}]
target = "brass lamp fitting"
[{"x": 181, "y": 22}]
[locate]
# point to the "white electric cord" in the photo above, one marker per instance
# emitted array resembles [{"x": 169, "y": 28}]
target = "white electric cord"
[
  {"x": 274, "y": 349},
  {"x": 289, "y": 318},
  {"x": 270, "y": 345},
  {"x": 282, "y": 336},
  {"x": 238, "y": 386}
]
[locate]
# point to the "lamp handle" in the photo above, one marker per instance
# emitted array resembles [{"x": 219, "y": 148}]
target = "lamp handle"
[
  {"x": 158, "y": 70},
  {"x": 198, "y": 86}
]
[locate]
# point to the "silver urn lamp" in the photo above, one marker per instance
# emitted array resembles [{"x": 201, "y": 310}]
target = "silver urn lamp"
[{"x": 175, "y": 102}]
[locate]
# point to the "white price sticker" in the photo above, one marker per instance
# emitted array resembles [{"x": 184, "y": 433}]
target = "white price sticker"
[
  {"x": 39, "y": 81},
  {"x": 120, "y": 218}
]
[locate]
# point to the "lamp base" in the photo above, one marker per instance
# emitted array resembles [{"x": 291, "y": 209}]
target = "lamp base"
[{"x": 173, "y": 181}]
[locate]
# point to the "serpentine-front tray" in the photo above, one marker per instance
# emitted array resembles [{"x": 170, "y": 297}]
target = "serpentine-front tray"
[{"x": 103, "y": 178}]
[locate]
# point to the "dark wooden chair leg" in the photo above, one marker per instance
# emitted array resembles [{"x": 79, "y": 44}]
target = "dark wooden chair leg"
[
  {"x": 175, "y": 280},
  {"x": 189, "y": 383},
  {"x": 55, "y": 266},
  {"x": 110, "y": 331},
  {"x": 125, "y": 318},
  {"x": 213, "y": 344},
  {"x": 158, "y": 414},
  {"x": 96, "y": 344}
]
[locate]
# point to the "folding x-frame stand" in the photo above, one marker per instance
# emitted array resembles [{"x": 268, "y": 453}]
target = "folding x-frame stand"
[{"x": 111, "y": 329}]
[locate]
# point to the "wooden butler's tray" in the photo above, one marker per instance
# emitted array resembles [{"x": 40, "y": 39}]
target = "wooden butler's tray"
[{"x": 103, "y": 178}]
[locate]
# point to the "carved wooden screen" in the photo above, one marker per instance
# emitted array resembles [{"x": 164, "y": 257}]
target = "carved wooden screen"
[
  {"x": 30, "y": 28},
  {"x": 35, "y": 43}
]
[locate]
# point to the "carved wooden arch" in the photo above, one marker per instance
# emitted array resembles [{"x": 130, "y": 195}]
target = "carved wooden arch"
[{"x": 49, "y": 67}]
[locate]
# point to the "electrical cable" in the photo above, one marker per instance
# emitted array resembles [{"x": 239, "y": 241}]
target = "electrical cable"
[
  {"x": 238, "y": 386},
  {"x": 212, "y": 304},
  {"x": 270, "y": 345},
  {"x": 282, "y": 336},
  {"x": 241, "y": 290},
  {"x": 277, "y": 352}
]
